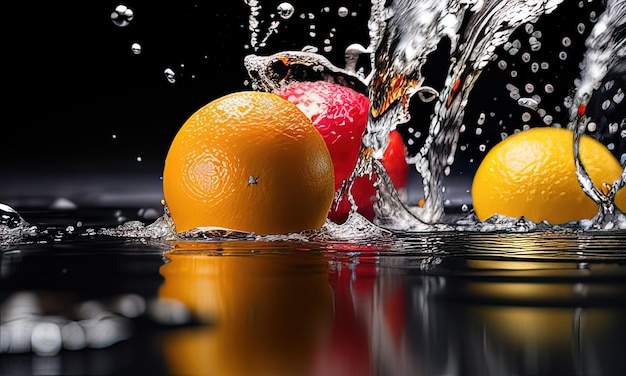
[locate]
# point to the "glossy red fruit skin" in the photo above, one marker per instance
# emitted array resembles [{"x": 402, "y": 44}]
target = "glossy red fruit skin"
[
  {"x": 363, "y": 189},
  {"x": 340, "y": 114}
]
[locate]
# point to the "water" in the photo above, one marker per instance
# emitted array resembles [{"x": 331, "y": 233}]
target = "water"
[
  {"x": 427, "y": 290},
  {"x": 403, "y": 37}
]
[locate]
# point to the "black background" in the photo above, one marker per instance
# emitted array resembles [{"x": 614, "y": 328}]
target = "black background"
[
  {"x": 87, "y": 119},
  {"x": 81, "y": 108}
]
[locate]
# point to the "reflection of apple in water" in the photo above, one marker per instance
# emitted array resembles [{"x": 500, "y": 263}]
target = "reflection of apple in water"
[{"x": 340, "y": 114}]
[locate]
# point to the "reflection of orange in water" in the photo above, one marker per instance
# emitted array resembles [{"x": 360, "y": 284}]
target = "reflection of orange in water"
[
  {"x": 269, "y": 312},
  {"x": 249, "y": 161}
]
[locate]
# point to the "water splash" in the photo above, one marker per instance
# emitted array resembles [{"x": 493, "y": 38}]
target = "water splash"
[
  {"x": 475, "y": 30},
  {"x": 605, "y": 56}
]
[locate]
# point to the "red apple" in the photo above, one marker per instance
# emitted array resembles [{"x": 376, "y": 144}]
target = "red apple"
[
  {"x": 363, "y": 189},
  {"x": 340, "y": 114}
]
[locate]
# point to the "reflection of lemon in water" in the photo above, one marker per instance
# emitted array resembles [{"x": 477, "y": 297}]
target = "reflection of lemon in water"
[
  {"x": 249, "y": 161},
  {"x": 532, "y": 174},
  {"x": 269, "y": 311}
]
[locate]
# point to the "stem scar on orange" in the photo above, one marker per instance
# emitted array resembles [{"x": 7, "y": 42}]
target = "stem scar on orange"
[
  {"x": 533, "y": 174},
  {"x": 249, "y": 161}
]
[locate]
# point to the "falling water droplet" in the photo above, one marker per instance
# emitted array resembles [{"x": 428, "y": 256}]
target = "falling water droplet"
[
  {"x": 285, "y": 10},
  {"x": 170, "y": 75},
  {"x": 136, "y": 48},
  {"x": 122, "y": 15}
]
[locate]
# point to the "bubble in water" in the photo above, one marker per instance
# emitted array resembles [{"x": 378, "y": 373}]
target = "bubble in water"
[
  {"x": 122, "y": 15},
  {"x": 342, "y": 11},
  {"x": 285, "y": 10},
  {"x": 136, "y": 48},
  {"x": 170, "y": 75}
]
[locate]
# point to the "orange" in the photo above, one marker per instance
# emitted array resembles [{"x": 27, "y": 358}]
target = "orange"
[
  {"x": 268, "y": 311},
  {"x": 532, "y": 174},
  {"x": 248, "y": 161}
]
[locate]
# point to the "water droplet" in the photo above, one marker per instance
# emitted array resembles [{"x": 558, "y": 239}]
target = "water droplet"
[
  {"x": 547, "y": 120},
  {"x": 529, "y": 88},
  {"x": 566, "y": 42},
  {"x": 481, "y": 119},
  {"x": 122, "y": 15},
  {"x": 170, "y": 75},
  {"x": 591, "y": 127},
  {"x": 529, "y": 28},
  {"x": 136, "y": 48},
  {"x": 534, "y": 67},
  {"x": 285, "y": 10}
]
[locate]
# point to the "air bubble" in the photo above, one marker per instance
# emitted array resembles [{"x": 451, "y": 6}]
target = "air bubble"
[
  {"x": 611, "y": 146},
  {"x": 513, "y": 73},
  {"x": 613, "y": 127},
  {"x": 545, "y": 65},
  {"x": 580, "y": 28},
  {"x": 525, "y": 57},
  {"x": 502, "y": 64},
  {"x": 478, "y": 131},
  {"x": 342, "y": 11},
  {"x": 563, "y": 55},
  {"x": 618, "y": 97},
  {"x": 482, "y": 147},
  {"x": 526, "y": 117},
  {"x": 606, "y": 104}
]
